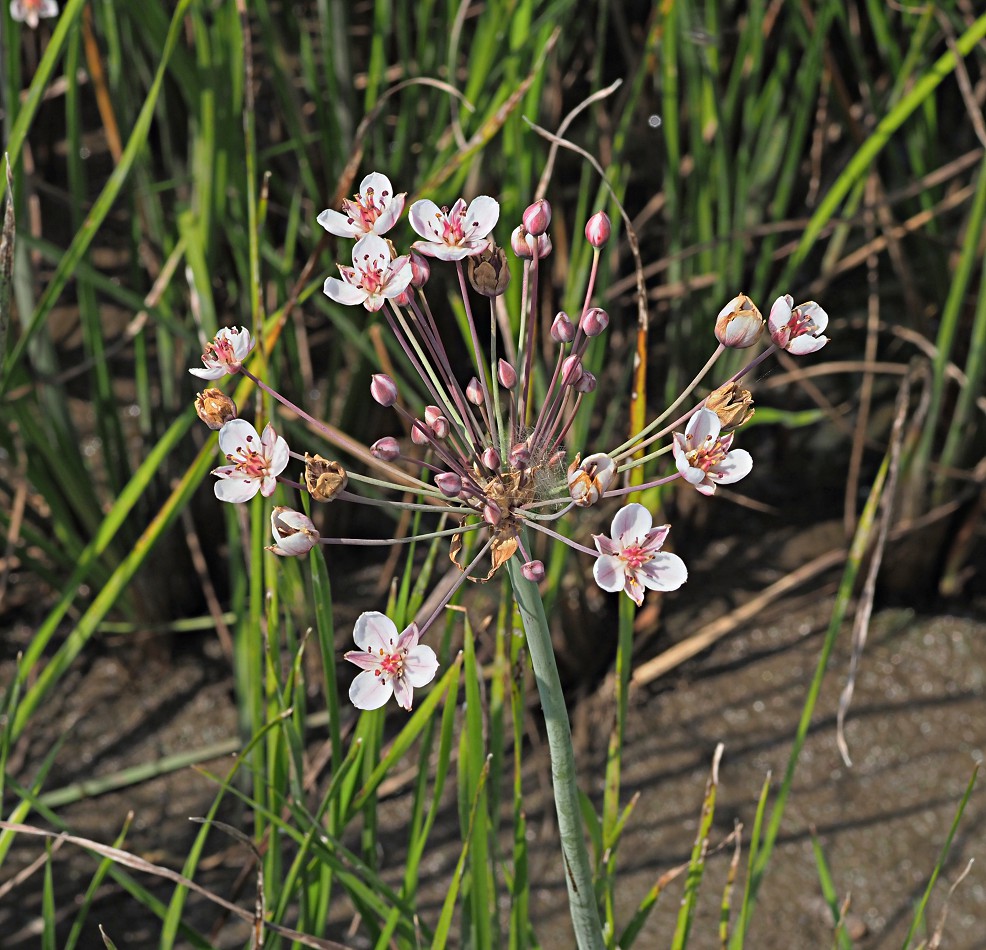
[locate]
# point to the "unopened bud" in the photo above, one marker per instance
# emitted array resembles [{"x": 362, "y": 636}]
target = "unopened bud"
[
  {"x": 403, "y": 298},
  {"x": 491, "y": 513},
  {"x": 562, "y": 328},
  {"x": 386, "y": 449},
  {"x": 587, "y": 481},
  {"x": 520, "y": 456},
  {"x": 522, "y": 244},
  {"x": 598, "y": 229},
  {"x": 491, "y": 459},
  {"x": 571, "y": 370},
  {"x": 449, "y": 484},
  {"x": 732, "y": 404},
  {"x": 586, "y": 383},
  {"x": 533, "y": 571},
  {"x": 488, "y": 272},
  {"x": 543, "y": 246},
  {"x": 537, "y": 217},
  {"x": 323, "y": 479},
  {"x": 506, "y": 374},
  {"x": 383, "y": 389},
  {"x": 739, "y": 323},
  {"x": 294, "y": 533},
  {"x": 421, "y": 433},
  {"x": 432, "y": 413},
  {"x": 474, "y": 392},
  {"x": 440, "y": 427},
  {"x": 594, "y": 321},
  {"x": 420, "y": 269},
  {"x": 215, "y": 408}
]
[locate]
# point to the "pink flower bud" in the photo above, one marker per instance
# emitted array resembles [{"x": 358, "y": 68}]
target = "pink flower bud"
[
  {"x": 594, "y": 321},
  {"x": 537, "y": 217},
  {"x": 449, "y": 484},
  {"x": 586, "y": 383},
  {"x": 420, "y": 433},
  {"x": 431, "y": 414},
  {"x": 571, "y": 370},
  {"x": 506, "y": 374},
  {"x": 562, "y": 328},
  {"x": 520, "y": 456},
  {"x": 521, "y": 244},
  {"x": 403, "y": 298},
  {"x": 440, "y": 427},
  {"x": 420, "y": 269},
  {"x": 598, "y": 229},
  {"x": 474, "y": 392},
  {"x": 739, "y": 323},
  {"x": 386, "y": 449},
  {"x": 491, "y": 513},
  {"x": 543, "y": 246},
  {"x": 383, "y": 389},
  {"x": 491, "y": 459},
  {"x": 533, "y": 571}
]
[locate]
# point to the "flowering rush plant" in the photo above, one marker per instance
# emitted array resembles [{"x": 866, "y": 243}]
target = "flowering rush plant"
[{"x": 491, "y": 452}]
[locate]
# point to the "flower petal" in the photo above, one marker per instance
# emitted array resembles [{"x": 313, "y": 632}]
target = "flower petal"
[
  {"x": 238, "y": 434},
  {"x": 213, "y": 373},
  {"x": 780, "y": 313},
  {"x": 375, "y": 631},
  {"x": 663, "y": 572},
  {"x": 427, "y": 219},
  {"x": 236, "y": 490},
  {"x": 338, "y": 224},
  {"x": 481, "y": 217},
  {"x": 738, "y": 464},
  {"x": 420, "y": 666},
  {"x": 703, "y": 427},
  {"x": 343, "y": 293},
  {"x": 805, "y": 344},
  {"x": 631, "y": 524},
  {"x": 609, "y": 573},
  {"x": 369, "y": 691}
]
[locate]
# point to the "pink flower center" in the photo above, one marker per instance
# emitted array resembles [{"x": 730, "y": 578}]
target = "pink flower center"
[
  {"x": 371, "y": 278},
  {"x": 453, "y": 232},
  {"x": 219, "y": 350},
  {"x": 364, "y": 209},
  {"x": 391, "y": 664},
  {"x": 251, "y": 463},
  {"x": 706, "y": 459},
  {"x": 635, "y": 556}
]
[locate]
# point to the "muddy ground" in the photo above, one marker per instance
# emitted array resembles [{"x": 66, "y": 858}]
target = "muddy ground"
[{"x": 916, "y": 730}]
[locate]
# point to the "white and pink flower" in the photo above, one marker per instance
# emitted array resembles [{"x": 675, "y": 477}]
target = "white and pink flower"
[
  {"x": 226, "y": 353},
  {"x": 32, "y": 12},
  {"x": 704, "y": 459},
  {"x": 374, "y": 210},
  {"x": 451, "y": 235},
  {"x": 797, "y": 329},
  {"x": 255, "y": 461},
  {"x": 393, "y": 664},
  {"x": 631, "y": 559},
  {"x": 374, "y": 277}
]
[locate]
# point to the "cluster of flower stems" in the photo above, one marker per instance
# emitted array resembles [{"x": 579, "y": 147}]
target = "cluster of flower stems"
[{"x": 490, "y": 450}]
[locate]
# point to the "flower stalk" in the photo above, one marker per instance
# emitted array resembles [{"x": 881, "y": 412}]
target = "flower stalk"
[{"x": 578, "y": 871}]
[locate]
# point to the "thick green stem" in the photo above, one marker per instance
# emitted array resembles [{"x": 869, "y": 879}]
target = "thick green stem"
[{"x": 578, "y": 873}]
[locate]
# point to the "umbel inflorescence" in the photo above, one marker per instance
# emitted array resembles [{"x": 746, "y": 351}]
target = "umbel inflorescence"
[{"x": 490, "y": 451}]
